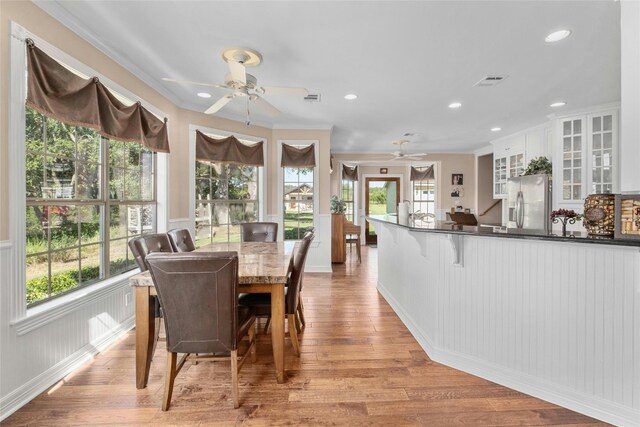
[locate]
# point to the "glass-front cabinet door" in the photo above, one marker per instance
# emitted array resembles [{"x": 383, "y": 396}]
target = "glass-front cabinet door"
[
  {"x": 516, "y": 165},
  {"x": 499, "y": 176},
  {"x": 602, "y": 158},
  {"x": 588, "y": 149},
  {"x": 572, "y": 159}
]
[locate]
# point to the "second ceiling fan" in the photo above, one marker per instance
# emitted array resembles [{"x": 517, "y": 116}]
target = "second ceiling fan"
[
  {"x": 401, "y": 155},
  {"x": 244, "y": 85}
]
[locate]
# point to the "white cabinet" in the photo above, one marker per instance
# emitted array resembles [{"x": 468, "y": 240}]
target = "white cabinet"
[{"x": 587, "y": 151}]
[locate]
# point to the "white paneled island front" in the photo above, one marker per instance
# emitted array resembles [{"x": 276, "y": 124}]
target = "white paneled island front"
[{"x": 553, "y": 317}]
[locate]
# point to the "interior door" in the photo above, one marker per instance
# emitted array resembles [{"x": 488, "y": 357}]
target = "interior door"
[{"x": 382, "y": 195}]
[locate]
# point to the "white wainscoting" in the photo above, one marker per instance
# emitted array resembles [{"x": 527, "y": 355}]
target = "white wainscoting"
[
  {"x": 559, "y": 321},
  {"x": 41, "y": 356}
]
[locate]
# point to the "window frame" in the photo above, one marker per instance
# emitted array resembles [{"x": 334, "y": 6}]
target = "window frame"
[
  {"x": 262, "y": 171},
  {"x": 28, "y": 318},
  {"x": 354, "y": 199},
  {"x": 316, "y": 181}
]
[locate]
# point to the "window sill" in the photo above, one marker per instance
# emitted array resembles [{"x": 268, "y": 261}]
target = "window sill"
[{"x": 48, "y": 312}]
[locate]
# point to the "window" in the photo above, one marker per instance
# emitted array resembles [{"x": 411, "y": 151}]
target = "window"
[
  {"x": 226, "y": 195},
  {"x": 424, "y": 199},
  {"x": 298, "y": 201},
  {"x": 86, "y": 196},
  {"x": 347, "y": 196}
]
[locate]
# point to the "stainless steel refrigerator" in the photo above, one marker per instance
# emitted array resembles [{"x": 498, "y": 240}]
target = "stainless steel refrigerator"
[{"x": 529, "y": 202}]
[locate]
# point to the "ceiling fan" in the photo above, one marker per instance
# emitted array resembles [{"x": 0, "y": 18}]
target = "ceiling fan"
[
  {"x": 401, "y": 155},
  {"x": 243, "y": 85}
]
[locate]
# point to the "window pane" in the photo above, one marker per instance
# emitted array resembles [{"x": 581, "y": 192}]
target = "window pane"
[
  {"x": 90, "y": 262},
  {"x": 34, "y": 178},
  {"x": 63, "y": 226},
  {"x": 606, "y": 123},
  {"x": 577, "y": 127},
  {"x": 87, "y": 180},
  {"x": 607, "y": 140},
  {"x": 566, "y": 128},
  {"x": 116, "y": 153},
  {"x": 597, "y": 141},
  {"x": 116, "y": 184},
  {"x": 121, "y": 258},
  {"x": 37, "y": 278},
  {"x": 133, "y": 185},
  {"x": 596, "y": 124},
  {"x": 118, "y": 221},
  {"x": 37, "y": 232}
]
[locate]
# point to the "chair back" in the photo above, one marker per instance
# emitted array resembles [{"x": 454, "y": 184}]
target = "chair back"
[
  {"x": 198, "y": 292},
  {"x": 295, "y": 280},
  {"x": 181, "y": 240},
  {"x": 258, "y": 231},
  {"x": 147, "y": 243}
]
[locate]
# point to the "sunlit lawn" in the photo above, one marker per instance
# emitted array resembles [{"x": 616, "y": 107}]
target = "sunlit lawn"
[{"x": 377, "y": 209}]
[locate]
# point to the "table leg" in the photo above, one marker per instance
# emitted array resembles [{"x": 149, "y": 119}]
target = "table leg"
[
  {"x": 277, "y": 329},
  {"x": 145, "y": 334}
]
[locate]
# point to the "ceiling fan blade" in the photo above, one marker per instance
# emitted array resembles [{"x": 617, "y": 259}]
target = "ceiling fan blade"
[
  {"x": 415, "y": 155},
  {"x": 167, "y": 79},
  {"x": 281, "y": 90},
  {"x": 238, "y": 72},
  {"x": 219, "y": 104},
  {"x": 266, "y": 106},
  {"x": 397, "y": 158}
]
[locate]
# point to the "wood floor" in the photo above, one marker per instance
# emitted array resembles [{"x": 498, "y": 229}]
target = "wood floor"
[{"x": 359, "y": 367}]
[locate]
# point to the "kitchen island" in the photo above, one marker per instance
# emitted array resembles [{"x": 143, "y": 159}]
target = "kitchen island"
[{"x": 557, "y": 317}]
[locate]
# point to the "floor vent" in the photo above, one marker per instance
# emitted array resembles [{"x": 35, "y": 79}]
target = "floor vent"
[
  {"x": 490, "y": 80},
  {"x": 312, "y": 97}
]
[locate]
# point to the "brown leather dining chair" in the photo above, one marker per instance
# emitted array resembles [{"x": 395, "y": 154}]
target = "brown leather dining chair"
[
  {"x": 261, "y": 303},
  {"x": 181, "y": 240},
  {"x": 258, "y": 231},
  {"x": 147, "y": 243},
  {"x": 199, "y": 295}
]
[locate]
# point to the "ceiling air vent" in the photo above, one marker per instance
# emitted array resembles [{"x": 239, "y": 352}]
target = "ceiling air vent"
[
  {"x": 491, "y": 80},
  {"x": 312, "y": 97}
]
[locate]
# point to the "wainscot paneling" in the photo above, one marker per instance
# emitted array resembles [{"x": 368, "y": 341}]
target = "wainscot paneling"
[
  {"x": 50, "y": 349},
  {"x": 555, "y": 320}
]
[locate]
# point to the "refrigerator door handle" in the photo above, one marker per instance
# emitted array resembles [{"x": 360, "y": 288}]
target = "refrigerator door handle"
[{"x": 519, "y": 210}]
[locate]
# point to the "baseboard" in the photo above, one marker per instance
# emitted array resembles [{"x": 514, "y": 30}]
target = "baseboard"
[
  {"x": 32, "y": 388},
  {"x": 589, "y": 405}
]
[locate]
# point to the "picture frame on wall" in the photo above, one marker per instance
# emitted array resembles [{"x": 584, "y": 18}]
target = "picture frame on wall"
[
  {"x": 627, "y": 217},
  {"x": 456, "y": 179}
]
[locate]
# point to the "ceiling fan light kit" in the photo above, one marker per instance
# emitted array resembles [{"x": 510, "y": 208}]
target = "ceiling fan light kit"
[{"x": 401, "y": 155}]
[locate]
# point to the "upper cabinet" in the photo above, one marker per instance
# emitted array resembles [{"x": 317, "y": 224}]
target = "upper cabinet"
[
  {"x": 587, "y": 149},
  {"x": 511, "y": 155}
]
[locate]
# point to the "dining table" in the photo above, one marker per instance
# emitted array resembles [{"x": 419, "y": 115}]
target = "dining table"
[{"x": 263, "y": 267}]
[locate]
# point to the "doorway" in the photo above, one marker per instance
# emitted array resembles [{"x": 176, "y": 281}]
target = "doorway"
[{"x": 382, "y": 195}]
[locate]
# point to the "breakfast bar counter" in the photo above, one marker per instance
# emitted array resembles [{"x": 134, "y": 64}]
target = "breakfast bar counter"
[{"x": 556, "y": 317}]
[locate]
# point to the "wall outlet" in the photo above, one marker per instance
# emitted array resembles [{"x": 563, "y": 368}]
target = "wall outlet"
[{"x": 127, "y": 299}]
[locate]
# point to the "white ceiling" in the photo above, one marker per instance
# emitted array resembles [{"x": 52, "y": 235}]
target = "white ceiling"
[{"x": 406, "y": 61}]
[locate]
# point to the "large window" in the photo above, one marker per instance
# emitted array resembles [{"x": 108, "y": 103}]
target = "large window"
[
  {"x": 298, "y": 201},
  {"x": 424, "y": 199},
  {"x": 226, "y": 195},
  {"x": 86, "y": 196},
  {"x": 347, "y": 195}
]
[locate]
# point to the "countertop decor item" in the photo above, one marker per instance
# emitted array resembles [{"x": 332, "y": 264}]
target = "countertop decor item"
[
  {"x": 627, "y": 213},
  {"x": 338, "y": 206},
  {"x": 564, "y": 217},
  {"x": 599, "y": 214},
  {"x": 537, "y": 166}
]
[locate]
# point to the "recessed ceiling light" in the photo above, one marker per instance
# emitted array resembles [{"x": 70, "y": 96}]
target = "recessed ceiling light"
[
  {"x": 496, "y": 129},
  {"x": 558, "y": 104},
  {"x": 204, "y": 95},
  {"x": 350, "y": 96},
  {"x": 556, "y": 36},
  {"x": 454, "y": 105}
]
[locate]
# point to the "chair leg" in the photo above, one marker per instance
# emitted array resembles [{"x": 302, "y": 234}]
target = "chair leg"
[
  {"x": 301, "y": 312},
  {"x": 266, "y": 326},
  {"x": 234, "y": 378},
  {"x": 297, "y": 321},
  {"x": 170, "y": 376},
  {"x": 358, "y": 250},
  {"x": 293, "y": 335},
  {"x": 252, "y": 342}
]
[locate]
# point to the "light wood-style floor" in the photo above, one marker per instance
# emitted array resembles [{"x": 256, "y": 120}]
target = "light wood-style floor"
[{"x": 359, "y": 367}]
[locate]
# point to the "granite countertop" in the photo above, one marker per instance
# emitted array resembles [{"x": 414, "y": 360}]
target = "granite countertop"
[{"x": 516, "y": 233}]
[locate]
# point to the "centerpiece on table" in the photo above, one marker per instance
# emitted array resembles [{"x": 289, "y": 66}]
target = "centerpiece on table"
[{"x": 564, "y": 217}]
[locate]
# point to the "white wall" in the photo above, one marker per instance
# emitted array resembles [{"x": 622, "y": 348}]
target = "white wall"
[
  {"x": 555, "y": 320},
  {"x": 630, "y": 96}
]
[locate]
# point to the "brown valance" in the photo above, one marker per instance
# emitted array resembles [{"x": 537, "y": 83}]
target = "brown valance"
[
  {"x": 349, "y": 173},
  {"x": 293, "y": 157},
  {"x": 228, "y": 150},
  {"x": 421, "y": 175},
  {"x": 58, "y": 93}
]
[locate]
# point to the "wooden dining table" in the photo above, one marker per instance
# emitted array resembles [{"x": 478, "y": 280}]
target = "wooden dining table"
[{"x": 262, "y": 268}]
